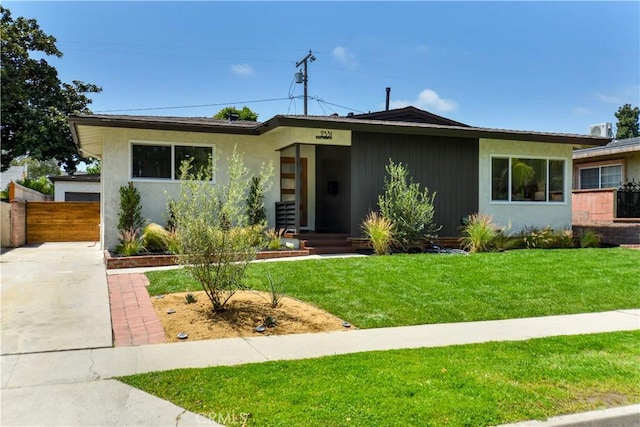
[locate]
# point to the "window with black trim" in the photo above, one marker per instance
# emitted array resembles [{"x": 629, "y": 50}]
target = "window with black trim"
[
  {"x": 163, "y": 161},
  {"x": 516, "y": 179},
  {"x": 604, "y": 176}
]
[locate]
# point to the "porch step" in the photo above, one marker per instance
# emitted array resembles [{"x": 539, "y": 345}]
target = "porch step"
[{"x": 326, "y": 243}]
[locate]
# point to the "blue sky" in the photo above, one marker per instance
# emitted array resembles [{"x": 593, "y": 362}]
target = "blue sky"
[{"x": 543, "y": 66}]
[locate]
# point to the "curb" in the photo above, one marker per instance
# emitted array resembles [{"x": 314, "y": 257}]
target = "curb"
[{"x": 624, "y": 416}]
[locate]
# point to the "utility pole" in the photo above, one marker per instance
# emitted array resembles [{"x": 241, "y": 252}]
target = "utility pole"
[{"x": 304, "y": 78}]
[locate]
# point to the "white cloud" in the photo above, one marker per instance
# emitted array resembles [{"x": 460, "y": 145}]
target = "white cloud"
[
  {"x": 242, "y": 69},
  {"x": 610, "y": 99},
  {"x": 428, "y": 100},
  {"x": 345, "y": 56},
  {"x": 581, "y": 111}
]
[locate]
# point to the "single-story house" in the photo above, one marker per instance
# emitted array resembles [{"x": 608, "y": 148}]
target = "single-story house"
[
  {"x": 521, "y": 178},
  {"x": 76, "y": 188}
]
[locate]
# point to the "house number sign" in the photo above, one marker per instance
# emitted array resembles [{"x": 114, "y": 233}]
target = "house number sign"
[{"x": 325, "y": 134}]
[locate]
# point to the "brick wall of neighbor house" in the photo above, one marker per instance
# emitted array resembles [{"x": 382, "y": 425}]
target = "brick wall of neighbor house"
[
  {"x": 592, "y": 207},
  {"x": 18, "y": 223}
]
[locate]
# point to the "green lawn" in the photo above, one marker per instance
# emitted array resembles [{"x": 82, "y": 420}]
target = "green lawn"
[
  {"x": 380, "y": 291},
  {"x": 470, "y": 385}
]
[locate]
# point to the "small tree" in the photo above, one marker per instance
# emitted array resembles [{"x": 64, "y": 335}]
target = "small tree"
[
  {"x": 256, "y": 212},
  {"x": 628, "y": 125},
  {"x": 130, "y": 216},
  {"x": 409, "y": 209},
  {"x": 215, "y": 241}
]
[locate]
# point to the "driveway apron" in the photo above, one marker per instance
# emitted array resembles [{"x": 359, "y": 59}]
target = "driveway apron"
[{"x": 54, "y": 297}]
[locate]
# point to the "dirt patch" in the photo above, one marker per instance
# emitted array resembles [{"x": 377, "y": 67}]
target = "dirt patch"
[{"x": 245, "y": 311}]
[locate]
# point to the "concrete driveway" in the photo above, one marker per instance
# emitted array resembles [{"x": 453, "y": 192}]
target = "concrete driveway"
[{"x": 54, "y": 297}]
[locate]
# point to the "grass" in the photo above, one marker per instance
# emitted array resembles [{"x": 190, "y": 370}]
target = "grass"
[
  {"x": 470, "y": 385},
  {"x": 381, "y": 291}
]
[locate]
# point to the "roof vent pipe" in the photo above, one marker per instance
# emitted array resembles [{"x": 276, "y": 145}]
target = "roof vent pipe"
[{"x": 388, "y": 96}]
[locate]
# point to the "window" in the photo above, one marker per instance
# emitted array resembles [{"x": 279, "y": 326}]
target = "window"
[
  {"x": 606, "y": 176},
  {"x": 527, "y": 180},
  {"x": 162, "y": 161}
]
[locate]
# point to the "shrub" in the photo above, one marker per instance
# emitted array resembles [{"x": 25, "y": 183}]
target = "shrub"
[
  {"x": 130, "y": 242},
  {"x": 479, "y": 234},
  {"x": 379, "y": 231},
  {"x": 409, "y": 209},
  {"x": 215, "y": 241},
  {"x": 562, "y": 239},
  {"x": 256, "y": 212},
  {"x": 155, "y": 238},
  {"x": 40, "y": 184},
  {"x": 274, "y": 238},
  {"x": 130, "y": 216},
  {"x": 590, "y": 239}
]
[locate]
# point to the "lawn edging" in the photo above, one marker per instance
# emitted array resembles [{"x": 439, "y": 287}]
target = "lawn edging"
[{"x": 160, "y": 260}]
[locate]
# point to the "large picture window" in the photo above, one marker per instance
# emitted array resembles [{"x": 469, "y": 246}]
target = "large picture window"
[
  {"x": 162, "y": 161},
  {"x": 515, "y": 179},
  {"x": 605, "y": 176}
]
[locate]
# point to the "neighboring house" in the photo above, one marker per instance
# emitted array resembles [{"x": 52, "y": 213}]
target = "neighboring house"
[
  {"x": 520, "y": 178},
  {"x": 597, "y": 203},
  {"x": 76, "y": 188},
  {"x": 14, "y": 173}
]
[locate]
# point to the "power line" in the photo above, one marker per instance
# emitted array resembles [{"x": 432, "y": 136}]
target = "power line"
[{"x": 193, "y": 106}]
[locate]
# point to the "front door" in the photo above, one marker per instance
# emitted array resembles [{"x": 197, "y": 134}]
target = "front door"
[{"x": 333, "y": 189}]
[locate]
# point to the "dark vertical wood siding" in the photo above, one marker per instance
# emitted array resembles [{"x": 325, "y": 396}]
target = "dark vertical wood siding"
[
  {"x": 448, "y": 166},
  {"x": 333, "y": 211}
]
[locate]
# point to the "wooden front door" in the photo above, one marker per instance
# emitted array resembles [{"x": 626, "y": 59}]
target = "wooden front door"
[{"x": 288, "y": 184}]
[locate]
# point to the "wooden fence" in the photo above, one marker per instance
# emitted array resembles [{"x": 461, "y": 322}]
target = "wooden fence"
[{"x": 63, "y": 222}]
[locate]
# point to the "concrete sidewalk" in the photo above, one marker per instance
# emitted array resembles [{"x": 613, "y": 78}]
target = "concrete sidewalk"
[{"x": 88, "y": 365}]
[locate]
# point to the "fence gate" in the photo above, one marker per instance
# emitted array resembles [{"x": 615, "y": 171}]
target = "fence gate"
[{"x": 63, "y": 222}]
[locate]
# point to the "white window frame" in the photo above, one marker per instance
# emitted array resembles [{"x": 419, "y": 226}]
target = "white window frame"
[
  {"x": 510, "y": 157},
  {"x": 173, "y": 159},
  {"x": 599, "y": 166}
]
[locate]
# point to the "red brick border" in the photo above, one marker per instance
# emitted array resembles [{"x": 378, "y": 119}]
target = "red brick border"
[
  {"x": 163, "y": 260},
  {"x": 133, "y": 319}
]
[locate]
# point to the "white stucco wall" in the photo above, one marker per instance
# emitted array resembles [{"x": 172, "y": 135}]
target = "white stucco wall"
[
  {"x": 518, "y": 215},
  {"x": 633, "y": 166},
  {"x": 61, "y": 187},
  {"x": 116, "y": 167},
  {"x": 116, "y": 171}
]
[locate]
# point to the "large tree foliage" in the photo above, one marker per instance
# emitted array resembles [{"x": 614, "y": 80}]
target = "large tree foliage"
[
  {"x": 627, "y": 126},
  {"x": 35, "y": 103},
  {"x": 244, "y": 114}
]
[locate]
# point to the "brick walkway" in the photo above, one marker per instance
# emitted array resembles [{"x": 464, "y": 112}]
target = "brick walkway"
[{"x": 133, "y": 319}]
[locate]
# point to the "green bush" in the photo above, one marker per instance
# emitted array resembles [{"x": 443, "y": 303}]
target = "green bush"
[
  {"x": 479, "y": 234},
  {"x": 274, "y": 238},
  {"x": 130, "y": 216},
  {"x": 41, "y": 185},
  {"x": 590, "y": 239},
  {"x": 130, "y": 242},
  {"x": 256, "y": 212},
  {"x": 409, "y": 209},
  {"x": 380, "y": 232},
  {"x": 155, "y": 238}
]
